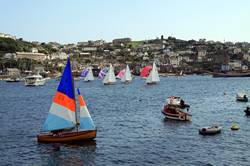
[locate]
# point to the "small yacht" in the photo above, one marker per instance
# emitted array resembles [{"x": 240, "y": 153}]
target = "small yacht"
[{"x": 34, "y": 80}]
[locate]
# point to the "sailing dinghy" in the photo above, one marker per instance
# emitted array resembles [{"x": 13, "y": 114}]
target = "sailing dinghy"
[
  {"x": 127, "y": 78},
  {"x": 61, "y": 122},
  {"x": 109, "y": 78},
  {"x": 153, "y": 77},
  {"x": 88, "y": 74}
]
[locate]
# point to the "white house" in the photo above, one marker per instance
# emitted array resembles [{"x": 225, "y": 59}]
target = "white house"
[
  {"x": 3, "y": 35},
  {"x": 235, "y": 64},
  {"x": 237, "y": 50},
  {"x": 59, "y": 55},
  {"x": 89, "y": 49},
  {"x": 175, "y": 60},
  {"x": 246, "y": 57},
  {"x": 201, "y": 55},
  {"x": 34, "y": 50}
]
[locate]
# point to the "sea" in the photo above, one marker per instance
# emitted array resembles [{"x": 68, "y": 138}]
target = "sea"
[{"x": 131, "y": 130}]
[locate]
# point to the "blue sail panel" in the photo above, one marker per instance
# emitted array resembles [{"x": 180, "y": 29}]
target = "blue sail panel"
[
  {"x": 66, "y": 83},
  {"x": 85, "y": 73},
  {"x": 54, "y": 122},
  {"x": 86, "y": 123}
]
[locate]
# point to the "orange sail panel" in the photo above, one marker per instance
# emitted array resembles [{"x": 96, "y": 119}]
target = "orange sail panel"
[{"x": 86, "y": 122}]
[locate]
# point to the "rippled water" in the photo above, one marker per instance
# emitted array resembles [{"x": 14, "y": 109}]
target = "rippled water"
[{"x": 131, "y": 128}]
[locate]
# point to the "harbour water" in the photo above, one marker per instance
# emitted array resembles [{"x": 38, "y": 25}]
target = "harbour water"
[{"x": 130, "y": 127}]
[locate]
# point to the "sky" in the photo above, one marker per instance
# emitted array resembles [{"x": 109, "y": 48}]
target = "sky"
[{"x": 71, "y": 21}]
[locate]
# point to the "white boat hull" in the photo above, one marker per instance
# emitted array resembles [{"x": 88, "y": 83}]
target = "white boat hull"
[
  {"x": 35, "y": 83},
  {"x": 184, "y": 117}
]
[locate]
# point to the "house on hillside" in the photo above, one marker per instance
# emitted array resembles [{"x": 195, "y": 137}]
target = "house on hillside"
[{"x": 121, "y": 41}]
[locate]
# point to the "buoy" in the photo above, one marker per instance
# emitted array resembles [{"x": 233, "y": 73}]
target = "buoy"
[{"x": 235, "y": 127}]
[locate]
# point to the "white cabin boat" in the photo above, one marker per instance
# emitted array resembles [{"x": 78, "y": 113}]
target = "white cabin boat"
[
  {"x": 34, "y": 80},
  {"x": 127, "y": 78},
  {"x": 109, "y": 79},
  {"x": 153, "y": 77}
]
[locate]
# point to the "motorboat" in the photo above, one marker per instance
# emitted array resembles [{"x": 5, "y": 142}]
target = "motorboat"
[
  {"x": 174, "y": 113},
  {"x": 241, "y": 97},
  {"x": 34, "y": 80},
  {"x": 13, "y": 79},
  {"x": 214, "y": 129},
  {"x": 177, "y": 102}
]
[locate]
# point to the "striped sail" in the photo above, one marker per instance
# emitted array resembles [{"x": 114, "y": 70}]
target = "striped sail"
[
  {"x": 86, "y": 122},
  {"x": 63, "y": 109}
]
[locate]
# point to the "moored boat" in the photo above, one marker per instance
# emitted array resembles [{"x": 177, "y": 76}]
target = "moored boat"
[
  {"x": 214, "y": 129},
  {"x": 177, "y": 102},
  {"x": 171, "y": 112},
  {"x": 34, "y": 80},
  {"x": 13, "y": 79},
  {"x": 235, "y": 127},
  {"x": 231, "y": 74},
  {"x": 241, "y": 97},
  {"x": 62, "y": 124}
]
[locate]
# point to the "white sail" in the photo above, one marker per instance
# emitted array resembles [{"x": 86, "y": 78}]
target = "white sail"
[
  {"x": 89, "y": 76},
  {"x": 153, "y": 76},
  {"x": 110, "y": 76},
  {"x": 127, "y": 76}
]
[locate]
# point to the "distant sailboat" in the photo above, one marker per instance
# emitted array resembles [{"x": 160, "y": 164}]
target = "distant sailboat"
[
  {"x": 127, "y": 76},
  {"x": 62, "y": 117},
  {"x": 121, "y": 74},
  {"x": 103, "y": 73},
  {"x": 109, "y": 79},
  {"x": 153, "y": 77},
  {"x": 89, "y": 76}
]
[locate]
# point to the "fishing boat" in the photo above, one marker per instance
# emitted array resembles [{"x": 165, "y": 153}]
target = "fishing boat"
[
  {"x": 177, "y": 102},
  {"x": 241, "y": 97},
  {"x": 34, "y": 80},
  {"x": 214, "y": 129},
  {"x": 109, "y": 78},
  {"x": 62, "y": 124},
  {"x": 127, "y": 78},
  {"x": 87, "y": 74},
  {"x": 171, "y": 112},
  {"x": 153, "y": 77}
]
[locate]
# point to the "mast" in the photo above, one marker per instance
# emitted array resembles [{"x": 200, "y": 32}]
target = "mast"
[{"x": 73, "y": 82}]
